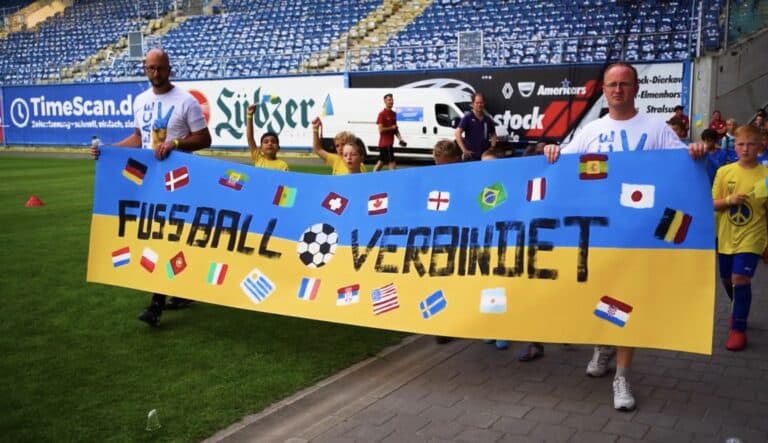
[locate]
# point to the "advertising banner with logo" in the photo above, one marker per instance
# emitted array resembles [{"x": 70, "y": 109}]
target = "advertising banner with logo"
[
  {"x": 542, "y": 102},
  {"x": 592, "y": 249},
  {"x": 286, "y": 106},
  {"x": 68, "y": 114}
]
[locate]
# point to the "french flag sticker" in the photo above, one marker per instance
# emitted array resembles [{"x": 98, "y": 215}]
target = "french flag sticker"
[{"x": 613, "y": 310}]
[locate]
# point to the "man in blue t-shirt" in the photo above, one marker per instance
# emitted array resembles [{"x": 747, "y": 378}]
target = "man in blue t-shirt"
[{"x": 476, "y": 132}]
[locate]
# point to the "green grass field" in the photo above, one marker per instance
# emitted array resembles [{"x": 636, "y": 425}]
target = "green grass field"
[{"x": 77, "y": 365}]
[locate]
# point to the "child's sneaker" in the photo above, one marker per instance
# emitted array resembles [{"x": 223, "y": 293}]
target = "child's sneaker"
[
  {"x": 598, "y": 366},
  {"x": 502, "y": 344},
  {"x": 151, "y": 316},
  {"x": 737, "y": 340}
]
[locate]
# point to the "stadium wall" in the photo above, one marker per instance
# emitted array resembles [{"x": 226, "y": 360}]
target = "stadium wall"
[{"x": 529, "y": 103}]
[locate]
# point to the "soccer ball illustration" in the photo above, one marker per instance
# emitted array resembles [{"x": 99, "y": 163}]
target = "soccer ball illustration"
[{"x": 317, "y": 245}]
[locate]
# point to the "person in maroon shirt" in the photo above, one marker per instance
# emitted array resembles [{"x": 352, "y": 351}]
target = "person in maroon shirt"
[
  {"x": 387, "y": 123},
  {"x": 717, "y": 124}
]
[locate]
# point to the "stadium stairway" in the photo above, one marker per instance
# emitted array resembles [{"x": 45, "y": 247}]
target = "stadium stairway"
[
  {"x": 154, "y": 29},
  {"x": 371, "y": 32}
]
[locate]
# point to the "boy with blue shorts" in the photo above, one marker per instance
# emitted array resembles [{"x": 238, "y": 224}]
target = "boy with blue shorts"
[{"x": 740, "y": 199}]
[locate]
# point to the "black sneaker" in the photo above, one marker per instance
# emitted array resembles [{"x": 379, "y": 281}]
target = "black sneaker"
[
  {"x": 176, "y": 303},
  {"x": 150, "y": 316}
]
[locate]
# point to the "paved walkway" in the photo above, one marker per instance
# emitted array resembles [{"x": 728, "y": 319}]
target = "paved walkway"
[{"x": 468, "y": 391}]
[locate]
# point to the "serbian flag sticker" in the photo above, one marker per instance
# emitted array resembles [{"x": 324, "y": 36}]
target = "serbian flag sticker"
[{"x": 613, "y": 310}]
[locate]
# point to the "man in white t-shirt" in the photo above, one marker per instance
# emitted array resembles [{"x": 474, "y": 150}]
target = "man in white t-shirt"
[
  {"x": 165, "y": 118},
  {"x": 622, "y": 129}
]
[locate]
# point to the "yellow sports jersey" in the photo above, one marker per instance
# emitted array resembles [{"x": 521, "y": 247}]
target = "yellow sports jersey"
[
  {"x": 742, "y": 228},
  {"x": 262, "y": 162},
  {"x": 338, "y": 167}
]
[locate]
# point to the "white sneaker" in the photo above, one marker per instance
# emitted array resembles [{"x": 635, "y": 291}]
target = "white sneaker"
[
  {"x": 598, "y": 366},
  {"x": 623, "y": 400}
]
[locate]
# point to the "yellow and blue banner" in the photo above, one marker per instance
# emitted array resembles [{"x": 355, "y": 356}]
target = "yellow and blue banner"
[{"x": 515, "y": 249}]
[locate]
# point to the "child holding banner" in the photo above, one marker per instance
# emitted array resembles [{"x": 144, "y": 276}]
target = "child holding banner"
[
  {"x": 337, "y": 161},
  {"x": 264, "y": 156},
  {"x": 740, "y": 198}
]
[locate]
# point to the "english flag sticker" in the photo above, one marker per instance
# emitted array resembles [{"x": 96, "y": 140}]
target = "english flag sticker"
[
  {"x": 613, "y": 310},
  {"x": 438, "y": 200}
]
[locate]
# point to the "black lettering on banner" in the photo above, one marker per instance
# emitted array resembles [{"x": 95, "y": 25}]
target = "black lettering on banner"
[
  {"x": 385, "y": 248},
  {"x": 357, "y": 259},
  {"x": 463, "y": 246},
  {"x": 412, "y": 252},
  {"x": 263, "y": 251},
  {"x": 178, "y": 222},
  {"x": 534, "y": 245},
  {"x": 448, "y": 249},
  {"x": 582, "y": 265},
  {"x": 244, "y": 230},
  {"x": 204, "y": 220},
  {"x": 123, "y": 216},
  {"x": 477, "y": 257},
  {"x": 159, "y": 218},
  {"x": 226, "y": 221},
  {"x": 501, "y": 268},
  {"x": 145, "y": 221}
]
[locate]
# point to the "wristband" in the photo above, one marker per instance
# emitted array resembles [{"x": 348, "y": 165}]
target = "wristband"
[
  {"x": 728, "y": 200},
  {"x": 249, "y": 114},
  {"x": 176, "y": 143}
]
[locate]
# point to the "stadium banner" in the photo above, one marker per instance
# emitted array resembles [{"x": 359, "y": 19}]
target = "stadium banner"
[
  {"x": 68, "y": 114},
  {"x": 2, "y": 121},
  {"x": 596, "y": 248},
  {"x": 286, "y": 106},
  {"x": 541, "y": 102}
]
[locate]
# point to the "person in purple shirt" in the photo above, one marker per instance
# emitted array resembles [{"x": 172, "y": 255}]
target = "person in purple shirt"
[{"x": 476, "y": 132}]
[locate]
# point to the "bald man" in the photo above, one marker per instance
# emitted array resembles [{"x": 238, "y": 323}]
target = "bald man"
[{"x": 165, "y": 118}]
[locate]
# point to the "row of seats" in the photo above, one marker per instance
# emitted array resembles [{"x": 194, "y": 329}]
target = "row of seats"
[
  {"x": 251, "y": 38},
  {"x": 71, "y": 37}
]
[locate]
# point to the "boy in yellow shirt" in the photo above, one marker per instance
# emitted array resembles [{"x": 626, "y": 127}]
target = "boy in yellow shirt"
[
  {"x": 739, "y": 195},
  {"x": 264, "y": 156}
]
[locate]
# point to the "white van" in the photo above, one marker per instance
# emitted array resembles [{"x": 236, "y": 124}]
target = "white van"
[{"x": 424, "y": 116}]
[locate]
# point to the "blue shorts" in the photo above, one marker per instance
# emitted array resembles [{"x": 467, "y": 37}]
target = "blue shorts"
[{"x": 742, "y": 264}]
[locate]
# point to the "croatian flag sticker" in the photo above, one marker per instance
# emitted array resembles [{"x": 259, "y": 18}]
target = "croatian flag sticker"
[{"x": 613, "y": 310}]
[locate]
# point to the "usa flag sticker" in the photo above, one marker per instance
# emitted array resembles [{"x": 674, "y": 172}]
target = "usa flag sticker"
[{"x": 613, "y": 310}]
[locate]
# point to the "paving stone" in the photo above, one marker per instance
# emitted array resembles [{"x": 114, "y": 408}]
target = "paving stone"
[
  {"x": 671, "y": 394},
  {"x": 475, "y": 419},
  {"x": 374, "y": 415},
  {"x": 399, "y": 405},
  {"x": 626, "y": 428},
  {"x": 515, "y": 426},
  {"x": 552, "y": 433},
  {"x": 580, "y": 407},
  {"x": 699, "y": 426},
  {"x": 593, "y": 437},
  {"x": 655, "y": 419},
  {"x": 541, "y": 401},
  {"x": 545, "y": 415},
  {"x": 442, "y": 398},
  {"x": 367, "y": 432},
  {"x": 581, "y": 422},
  {"x": 479, "y": 436},
  {"x": 535, "y": 388},
  {"x": 442, "y": 429},
  {"x": 407, "y": 423},
  {"x": 667, "y": 435},
  {"x": 442, "y": 413}
]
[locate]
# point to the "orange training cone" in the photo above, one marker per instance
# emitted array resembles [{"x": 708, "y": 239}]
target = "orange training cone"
[{"x": 34, "y": 201}]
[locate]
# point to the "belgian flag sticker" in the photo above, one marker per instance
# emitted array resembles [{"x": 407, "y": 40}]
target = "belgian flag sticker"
[{"x": 673, "y": 226}]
